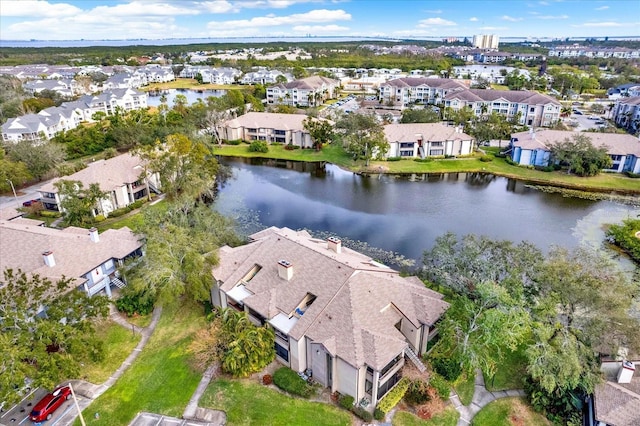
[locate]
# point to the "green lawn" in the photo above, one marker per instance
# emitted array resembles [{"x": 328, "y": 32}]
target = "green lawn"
[
  {"x": 190, "y": 83},
  {"x": 509, "y": 373},
  {"x": 465, "y": 387},
  {"x": 509, "y": 412},
  {"x": 161, "y": 380},
  {"x": 132, "y": 220},
  {"x": 449, "y": 417},
  {"x": 118, "y": 344},
  {"x": 335, "y": 154},
  {"x": 249, "y": 403}
]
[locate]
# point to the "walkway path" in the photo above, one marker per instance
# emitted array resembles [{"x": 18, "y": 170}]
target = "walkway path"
[
  {"x": 481, "y": 397},
  {"x": 193, "y": 412}
]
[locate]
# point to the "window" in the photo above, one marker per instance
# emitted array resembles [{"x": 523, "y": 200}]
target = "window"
[
  {"x": 281, "y": 335},
  {"x": 389, "y": 366},
  {"x": 436, "y": 152},
  {"x": 406, "y": 153},
  {"x": 437, "y": 143},
  {"x": 282, "y": 352},
  {"x": 406, "y": 144},
  {"x": 386, "y": 386},
  {"x": 280, "y": 132},
  {"x": 252, "y": 130}
]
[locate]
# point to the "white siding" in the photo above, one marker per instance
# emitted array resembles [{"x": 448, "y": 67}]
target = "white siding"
[{"x": 410, "y": 332}]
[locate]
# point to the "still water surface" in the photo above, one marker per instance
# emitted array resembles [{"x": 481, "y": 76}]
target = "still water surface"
[
  {"x": 154, "y": 98},
  {"x": 406, "y": 214}
]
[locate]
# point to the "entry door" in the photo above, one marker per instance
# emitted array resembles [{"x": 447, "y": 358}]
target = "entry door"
[{"x": 329, "y": 371}]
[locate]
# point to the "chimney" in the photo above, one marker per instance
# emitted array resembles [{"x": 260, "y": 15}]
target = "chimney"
[
  {"x": 93, "y": 233},
  {"x": 48, "y": 258},
  {"x": 285, "y": 270},
  {"x": 334, "y": 244}
]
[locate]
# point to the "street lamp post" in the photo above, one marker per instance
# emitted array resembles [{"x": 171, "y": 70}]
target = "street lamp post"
[{"x": 13, "y": 189}]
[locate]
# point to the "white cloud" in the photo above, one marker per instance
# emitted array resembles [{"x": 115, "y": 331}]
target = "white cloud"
[
  {"x": 320, "y": 29},
  {"x": 271, "y": 20},
  {"x": 473, "y": 19},
  {"x": 493, "y": 28},
  {"x": 37, "y": 9},
  {"x": 436, "y": 22},
  {"x": 511, "y": 18},
  {"x": 602, "y": 8},
  {"x": 607, "y": 24},
  {"x": 140, "y": 8},
  {"x": 553, "y": 17}
]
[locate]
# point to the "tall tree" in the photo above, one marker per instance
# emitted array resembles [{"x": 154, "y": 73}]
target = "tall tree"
[
  {"x": 321, "y": 131},
  {"x": 363, "y": 136},
  {"x": 187, "y": 167},
  {"x": 39, "y": 158},
  {"x": 580, "y": 156},
  {"x": 426, "y": 115},
  {"x": 79, "y": 203},
  {"x": 49, "y": 347}
]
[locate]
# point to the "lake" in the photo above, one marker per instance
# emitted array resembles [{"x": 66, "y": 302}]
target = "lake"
[
  {"x": 153, "y": 98},
  {"x": 405, "y": 214}
]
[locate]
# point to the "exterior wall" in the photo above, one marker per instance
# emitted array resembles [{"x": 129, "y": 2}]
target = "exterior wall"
[
  {"x": 319, "y": 364},
  {"x": 411, "y": 333},
  {"x": 98, "y": 279},
  {"x": 347, "y": 379},
  {"x": 298, "y": 354}
]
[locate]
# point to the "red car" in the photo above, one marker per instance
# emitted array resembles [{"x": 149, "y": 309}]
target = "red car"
[{"x": 44, "y": 409}]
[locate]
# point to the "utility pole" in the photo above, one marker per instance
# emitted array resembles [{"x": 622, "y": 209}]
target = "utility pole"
[
  {"x": 75, "y": 400},
  {"x": 13, "y": 189}
]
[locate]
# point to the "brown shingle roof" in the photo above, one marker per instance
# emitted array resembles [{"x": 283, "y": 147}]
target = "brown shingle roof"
[
  {"x": 439, "y": 83},
  {"x": 268, "y": 120},
  {"x": 109, "y": 174},
  {"x": 618, "y": 404},
  {"x": 358, "y": 301},
  {"x": 311, "y": 83},
  {"x": 515, "y": 96}
]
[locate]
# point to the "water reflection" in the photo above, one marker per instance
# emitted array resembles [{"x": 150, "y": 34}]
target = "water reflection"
[{"x": 403, "y": 214}]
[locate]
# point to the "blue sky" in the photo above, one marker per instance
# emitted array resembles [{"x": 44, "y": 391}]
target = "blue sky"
[{"x": 161, "y": 19}]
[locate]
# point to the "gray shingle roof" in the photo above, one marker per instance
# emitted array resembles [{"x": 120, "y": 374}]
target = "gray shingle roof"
[
  {"x": 440, "y": 83},
  {"x": 616, "y": 143},
  {"x": 404, "y": 132}
]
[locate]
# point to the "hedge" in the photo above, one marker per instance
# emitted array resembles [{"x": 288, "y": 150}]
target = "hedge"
[
  {"x": 362, "y": 413},
  {"x": 441, "y": 386},
  {"x": 394, "y": 396},
  {"x": 289, "y": 381},
  {"x": 346, "y": 401}
]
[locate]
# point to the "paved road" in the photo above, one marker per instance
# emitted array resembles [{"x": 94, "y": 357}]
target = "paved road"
[
  {"x": 19, "y": 415},
  {"x": 24, "y": 194}
]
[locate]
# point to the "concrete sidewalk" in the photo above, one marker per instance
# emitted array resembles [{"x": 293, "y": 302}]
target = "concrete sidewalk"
[{"x": 481, "y": 397}]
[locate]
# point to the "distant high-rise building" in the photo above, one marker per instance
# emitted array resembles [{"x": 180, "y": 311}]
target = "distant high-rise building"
[{"x": 486, "y": 41}]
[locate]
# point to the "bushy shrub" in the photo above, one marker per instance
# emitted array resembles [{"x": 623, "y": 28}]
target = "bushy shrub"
[
  {"x": 394, "y": 158},
  {"x": 258, "y": 146},
  {"x": 346, "y": 401},
  {"x": 394, "y": 396},
  {"x": 417, "y": 393},
  {"x": 378, "y": 414},
  {"x": 289, "y": 381},
  {"x": 423, "y": 160},
  {"x": 46, "y": 213},
  {"x": 362, "y": 413},
  {"x": 440, "y": 385},
  {"x": 486, "y": 158},
  {"x": 110, "y": 153},
  {"x": 234, "y": 142},
  {"x": 118, "y": 212},
  {"x": 545, "y": 168},
  {"x": 135, "y": 302},
  {"x": 632, "y": 175},
  {"x": 449, "y": 368},
  {"x": 291, "y": 147},
  {"x": 510, "y": 161},
  {"x": 99, "y": 218}
]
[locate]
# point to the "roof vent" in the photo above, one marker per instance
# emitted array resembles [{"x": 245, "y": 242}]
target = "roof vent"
[
  {"x": 334, "y": 244},
  {"x": 48, "y": 258},
  {"x": 285, "y": 269}
]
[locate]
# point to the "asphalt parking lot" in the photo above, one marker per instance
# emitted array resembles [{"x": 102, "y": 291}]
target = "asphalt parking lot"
[{"x": 19, "y": 414}]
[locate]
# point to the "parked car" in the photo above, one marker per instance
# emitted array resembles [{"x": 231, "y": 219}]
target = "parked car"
[
  {"x": 31, "y": 202},
  {"x": 45, "y": 408}
]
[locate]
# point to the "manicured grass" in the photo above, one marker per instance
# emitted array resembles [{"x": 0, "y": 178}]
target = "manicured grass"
[
  {"x": 132, "y": 220},
  {"x": 161, "y": 380},
  {"x": 509, "y": 412},
  {"x": 249, "y": 403},
  {"x": 190, "y": 83},
  {"x": 465, "y": 387},
  {"x": 331, "y": 153},
  {"x": 449, "y": 417},
  {"x": 118, "y": 344},
  {"x": 509, "y": 373}
]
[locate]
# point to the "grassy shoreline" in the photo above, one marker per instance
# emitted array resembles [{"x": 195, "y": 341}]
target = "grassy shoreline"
[{"x": 604, "y": 182}]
